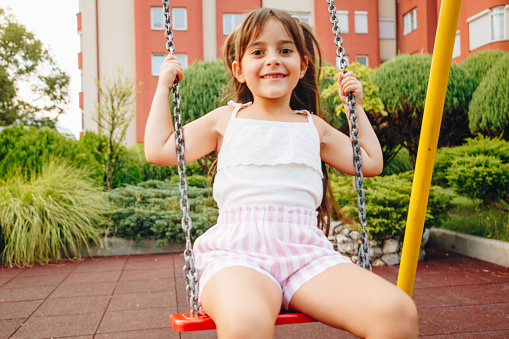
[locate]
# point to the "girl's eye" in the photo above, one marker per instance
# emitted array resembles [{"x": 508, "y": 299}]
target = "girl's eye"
[
  {"x": 286, "y": 51},
  {"x": 257, "y": 52}
]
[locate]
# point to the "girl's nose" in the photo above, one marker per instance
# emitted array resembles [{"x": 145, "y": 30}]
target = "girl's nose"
[{"x": 272, "y": 59}]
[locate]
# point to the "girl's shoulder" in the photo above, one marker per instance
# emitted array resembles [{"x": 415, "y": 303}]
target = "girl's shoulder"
[{"x": 220, "y": 117}]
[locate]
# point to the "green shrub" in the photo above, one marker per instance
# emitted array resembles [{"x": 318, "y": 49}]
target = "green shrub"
[
  {"x": 488, "y": 112},
  {"x": 387, "y": 201},
  {"x": 479, "y": 64},
  {"x": 479, "y": 177},
  {"x": 50, "y": 215},
  {"x": 497, "y": 148},
  {"x": 400, "y": 163},
  {"x": 202, "y": 88},
  {"x": 27, "y": 149},
  {"x": 403, "y": 83},
  {"x": 152, "y": 209}
]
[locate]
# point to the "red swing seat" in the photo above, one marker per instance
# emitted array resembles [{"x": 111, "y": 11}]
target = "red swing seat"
[{"x": 186, "y": 322}]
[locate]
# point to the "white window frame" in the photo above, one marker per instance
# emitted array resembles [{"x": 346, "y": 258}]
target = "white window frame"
[
  {"x": 495, "y": 12},
  {"x": 156, "y": 13},
  {"x": 386, "y": 28},
  {"x": 361, "y": 22},
  {"x": 343, "y": 21},
  {"x": 156, "y": 60},
  {"x": 182, "y": 57},
  {"x": 233, "y": 20},
  {"x": 177, "y": 12},
  {"x": 456, "y": 52},
  {"x": 410, "y": 21},
  {"x": 362, "y": 56}
]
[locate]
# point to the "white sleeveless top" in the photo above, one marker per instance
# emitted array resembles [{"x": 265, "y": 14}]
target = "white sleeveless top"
[{"x": 269, "y": 162}]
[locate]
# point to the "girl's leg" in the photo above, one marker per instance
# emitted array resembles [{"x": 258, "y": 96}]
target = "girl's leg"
[
  {"x": 242, "y": 302},
  {"x": 352, "y": 298}
]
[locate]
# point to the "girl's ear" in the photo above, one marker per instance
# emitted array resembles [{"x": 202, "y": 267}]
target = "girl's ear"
[
  {"x": 237, "y": 72},
  {"x": 303, "y": 67}
]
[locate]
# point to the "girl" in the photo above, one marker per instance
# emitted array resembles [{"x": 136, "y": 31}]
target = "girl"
[{"x": 266, "y": 250}]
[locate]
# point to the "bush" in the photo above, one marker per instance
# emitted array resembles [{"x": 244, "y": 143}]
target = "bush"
[
  {"x": 479, "y": 177},
  {"x": 27, "y": 149},
  {"x": 403, "y": 83},
  {"x": 50, "y": 215},
  {"x": 387, "y": 201},
  {"x": 472, "y": 147},
  {"x": 202, "y": 88},
  {"x": 152, "y": 209},
  {"x": 488, "y": 112},
  {"x": 479, "y": 64}
]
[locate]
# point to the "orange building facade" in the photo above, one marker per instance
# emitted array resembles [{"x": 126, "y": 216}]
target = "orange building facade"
[{"x": 482, "y": 25}]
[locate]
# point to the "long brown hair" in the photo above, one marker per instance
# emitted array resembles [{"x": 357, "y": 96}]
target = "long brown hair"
[{"x": 304, "y": 96}]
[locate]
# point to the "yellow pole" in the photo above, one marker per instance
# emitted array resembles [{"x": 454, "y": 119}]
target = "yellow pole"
[{"x": 430, "y": 130}]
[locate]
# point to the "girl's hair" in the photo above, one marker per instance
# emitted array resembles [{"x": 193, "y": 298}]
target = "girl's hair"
[{"x": 304, "y": 96}]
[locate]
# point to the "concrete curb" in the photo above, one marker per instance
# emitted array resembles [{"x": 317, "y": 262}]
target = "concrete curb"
[
  {"x": 494, "y": 251},
  {"x": 119, "y": 246}
]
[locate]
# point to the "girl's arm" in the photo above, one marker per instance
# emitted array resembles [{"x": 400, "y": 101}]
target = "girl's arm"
[
  {"x": 200, "y": 135},
  {"x": 337, "y": 147}
]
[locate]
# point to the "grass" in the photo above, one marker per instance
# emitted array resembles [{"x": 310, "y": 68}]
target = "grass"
[
  {"x": 472, "y": 217},
  {"x": 49, "y": 216}
]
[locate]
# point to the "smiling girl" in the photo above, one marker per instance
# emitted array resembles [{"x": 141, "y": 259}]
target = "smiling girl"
[{"x": 266, "y": 250}]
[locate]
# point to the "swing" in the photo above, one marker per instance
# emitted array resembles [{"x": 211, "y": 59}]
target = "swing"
[{"x": 192, "y": 321}]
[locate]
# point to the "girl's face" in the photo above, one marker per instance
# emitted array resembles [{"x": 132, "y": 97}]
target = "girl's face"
[{"x": 271, "y": 66}]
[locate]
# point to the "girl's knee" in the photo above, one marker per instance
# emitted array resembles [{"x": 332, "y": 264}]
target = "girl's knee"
[
  {"x": 245, "y": 324},
  {"x": 402, "y": 318}
]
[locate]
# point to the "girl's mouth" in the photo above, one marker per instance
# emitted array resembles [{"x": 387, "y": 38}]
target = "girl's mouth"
[{"x": 273, "y": 76}]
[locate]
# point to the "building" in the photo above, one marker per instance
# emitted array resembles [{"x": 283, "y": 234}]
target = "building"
[
  {"x": 130, "y": 34},
  {"x": 482, "y": 25}
]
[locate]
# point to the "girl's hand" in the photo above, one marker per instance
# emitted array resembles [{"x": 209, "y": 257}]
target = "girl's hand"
[
  {"x": 347, "y": 82},
  {"x": 170, "y": 69}
]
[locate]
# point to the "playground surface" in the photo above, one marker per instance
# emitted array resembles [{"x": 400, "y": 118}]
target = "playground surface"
[{"x": 132, "y": 297}]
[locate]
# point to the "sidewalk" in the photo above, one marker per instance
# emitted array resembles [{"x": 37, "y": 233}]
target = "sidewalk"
[{"x": 132, "y": 297}]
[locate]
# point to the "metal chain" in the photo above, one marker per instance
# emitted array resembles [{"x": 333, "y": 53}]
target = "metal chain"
[
  {"x": 189, "y": 270},
  {"x": 363, "y": 259}
]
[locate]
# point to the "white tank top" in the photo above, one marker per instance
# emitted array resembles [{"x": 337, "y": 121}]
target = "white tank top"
[{"x": 269, "y": 162}]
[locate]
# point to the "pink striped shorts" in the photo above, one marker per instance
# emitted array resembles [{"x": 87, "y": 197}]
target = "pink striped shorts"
[{"x": 282, "y": 243}]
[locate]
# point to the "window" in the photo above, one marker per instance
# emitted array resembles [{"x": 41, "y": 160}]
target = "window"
[
  {"x": 230, "y": 22},
  {"x": 361, "y": 22},
  {"x": 303, "y": 17},
  {"x": 182, "y": 57},
  {"x": 497, "y": 23},
  {"x": 179, "y": 19},
  {"x": 362, "y": 59},
  {"x": 156, "y": 18},
  {"x": 343, "y": 20},
  {"x": 157, "y": 60},
  {"x": 488, "y": 26},
  {"x": 386, "y": 28},
  {"x": 410, "y": 22},
  {"x": 456, "y": 52},
  {"x": 338, "y": 64}
]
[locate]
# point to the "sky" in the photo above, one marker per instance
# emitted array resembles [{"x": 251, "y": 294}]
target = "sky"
[{"x": 54, "y": 23}]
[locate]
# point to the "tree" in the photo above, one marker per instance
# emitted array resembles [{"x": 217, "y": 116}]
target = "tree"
[
  {"x": 373, "y": 106},
  {"x": 489, "y": 109},
  {"x": 403, "y": 83},
  {"x": 26, "y": 63},
  {"x": 115, "y": 111}
]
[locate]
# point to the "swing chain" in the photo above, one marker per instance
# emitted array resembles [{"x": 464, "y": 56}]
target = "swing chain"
[
  {"x": 189, "y": 270},
  {"x": 363, "y": 259}
]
